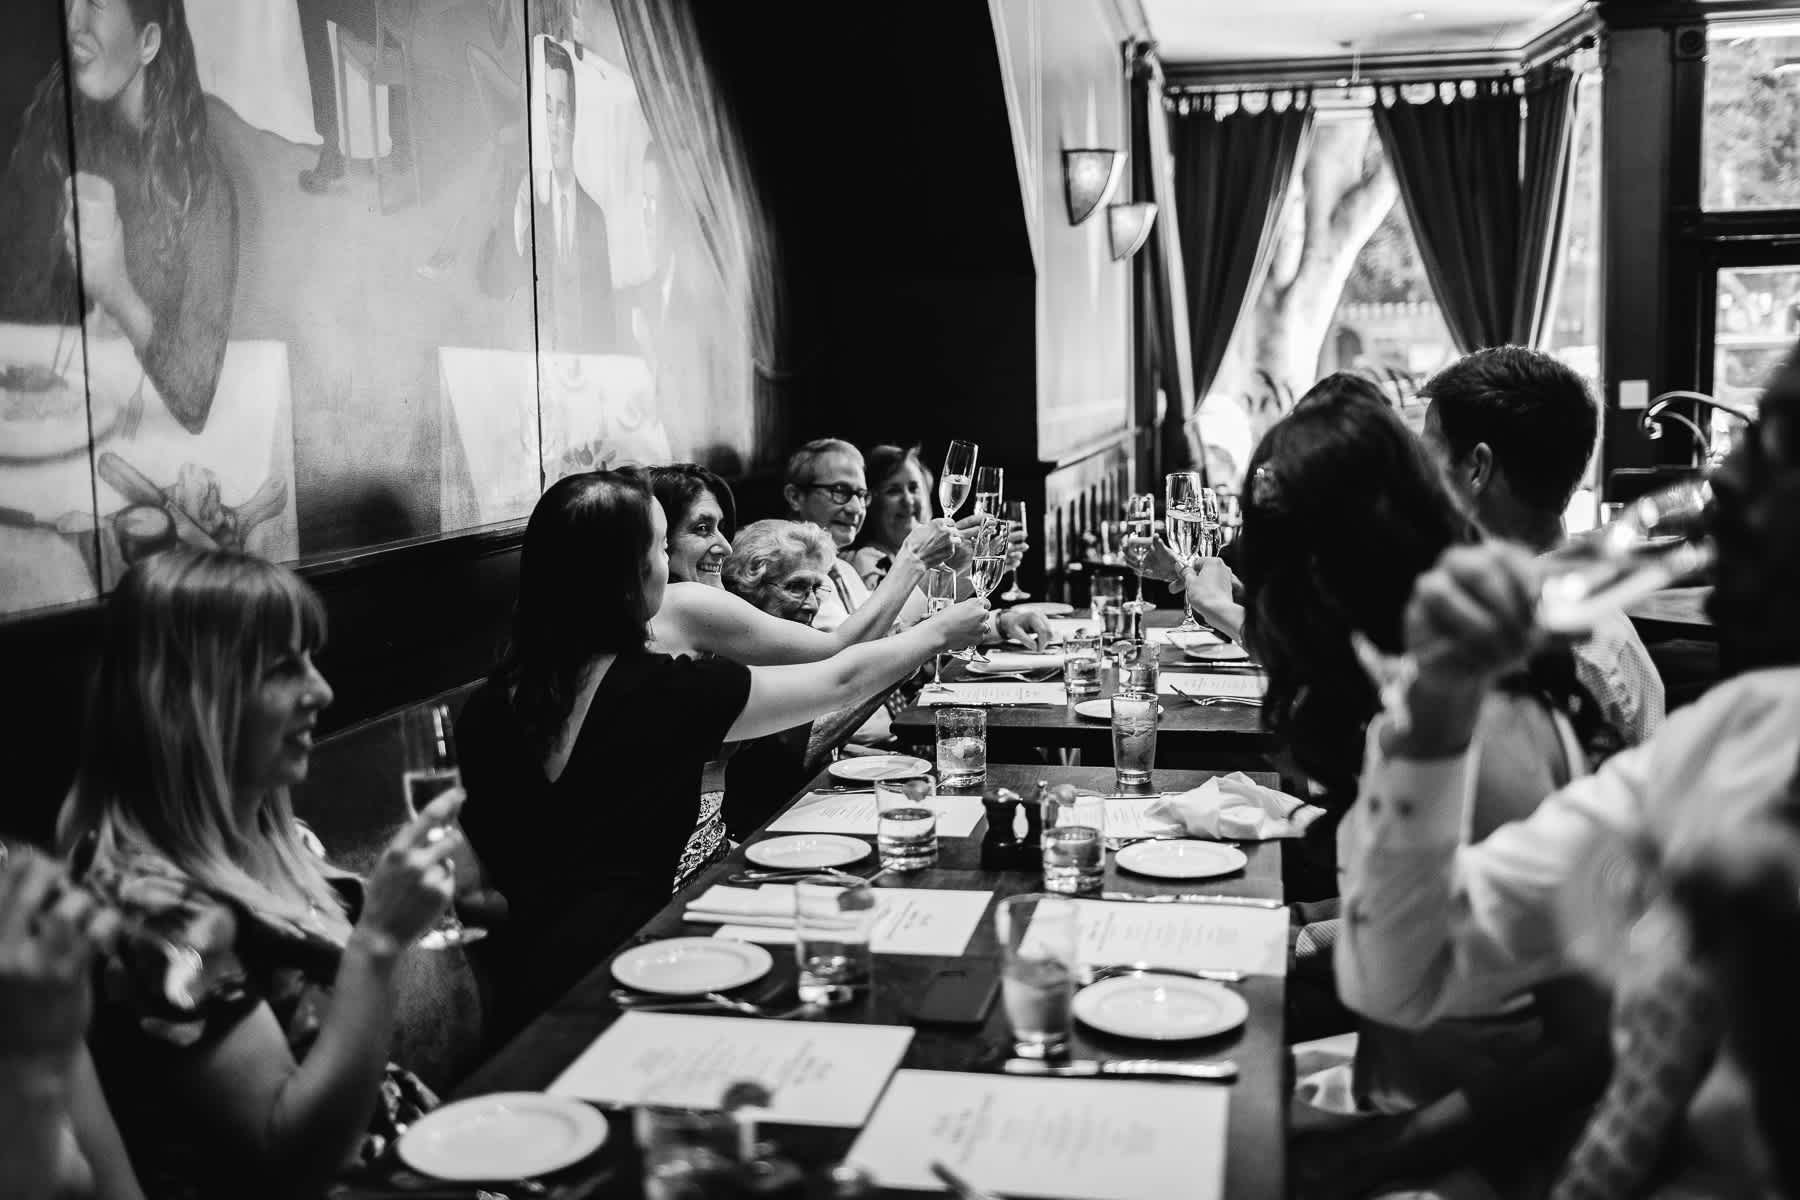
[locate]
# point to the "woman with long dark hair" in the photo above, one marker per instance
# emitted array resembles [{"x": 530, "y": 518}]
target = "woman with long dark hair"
[
  {"x": 584, "y": 750},
  {"x": 1343, "y": 512},
  {"x": 142, "y": 227},
  {"x": 700, "y": 616},
  {"x": 244, "y": 1020}
]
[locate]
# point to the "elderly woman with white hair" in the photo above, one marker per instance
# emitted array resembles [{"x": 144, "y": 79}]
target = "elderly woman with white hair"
[{"x": 784, "y": 569}]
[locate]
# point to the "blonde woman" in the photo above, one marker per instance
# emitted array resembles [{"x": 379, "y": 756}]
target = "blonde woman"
[{"x": 242, "y": 1029}]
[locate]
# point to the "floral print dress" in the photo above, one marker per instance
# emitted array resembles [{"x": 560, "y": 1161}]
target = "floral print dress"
[{"x": 189, "y": 968}]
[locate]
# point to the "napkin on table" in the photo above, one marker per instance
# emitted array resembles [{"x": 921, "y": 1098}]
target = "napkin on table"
[
  {"x": 1233, "y": 807},
  {"x": 770, "y": 906}
]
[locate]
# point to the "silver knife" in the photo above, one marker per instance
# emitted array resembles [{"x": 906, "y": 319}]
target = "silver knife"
[
  {"x": 1218, "y": 1071},
  {"x": 1195, "y": 898}
]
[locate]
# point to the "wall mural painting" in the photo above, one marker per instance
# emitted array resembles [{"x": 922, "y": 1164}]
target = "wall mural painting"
[{"x": 267, "y": 278}]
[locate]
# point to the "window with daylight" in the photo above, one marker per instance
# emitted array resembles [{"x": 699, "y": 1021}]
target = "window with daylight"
[{"x": 1750, "y": 136}]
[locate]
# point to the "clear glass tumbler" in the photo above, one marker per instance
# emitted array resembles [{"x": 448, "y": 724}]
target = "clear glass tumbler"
[
  {"x": 961, "y": 745},
  {"x": 1081, "y": 665},
  {"x": 1038, "y": 946},
  {"x": 1134, "y": 736},
  {"x": 834, "y": 919},
  {"x": 905, "y": 824},
  {"x": 1074, "y": 843}
]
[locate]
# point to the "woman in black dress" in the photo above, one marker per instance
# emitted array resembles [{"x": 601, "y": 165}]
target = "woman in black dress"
[{"x": 583, "y": 752}]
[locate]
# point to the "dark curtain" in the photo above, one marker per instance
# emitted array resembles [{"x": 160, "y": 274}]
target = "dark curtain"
[
  {"x": 1163, "y": 354},
  {"x": 1549, "y": 136},
  {"x": 1457, "y": 160},
  {"x": 1231, "y": 179}
]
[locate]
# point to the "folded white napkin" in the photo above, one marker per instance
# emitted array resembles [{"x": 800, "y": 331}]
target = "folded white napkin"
[
  {"x": 770, "y": 906},
  {"x": 1233, "y": 807}
]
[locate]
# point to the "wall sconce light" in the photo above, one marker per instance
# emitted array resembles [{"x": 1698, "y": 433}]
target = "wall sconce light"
[
  {"x": 1129, "y": 225},
  {"x": 1089, "y": 177}
]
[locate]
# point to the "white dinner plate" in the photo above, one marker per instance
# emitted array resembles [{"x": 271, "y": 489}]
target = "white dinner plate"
[
  {"x": 866, "y": 768},
  {"x": 807, "y": 850},
  {"x": 1101, "y": 709},
  {"x": 1181, "y": 858},
  {"x": 1047, "y": 608},
  {"x": 688, "y": 966},
  {"x": 508, "y": 1135},
  {"x": 1007, "y": 661},
  {"x": 1160, "y": 1008},
  {"x": 1230, "y": 652}
]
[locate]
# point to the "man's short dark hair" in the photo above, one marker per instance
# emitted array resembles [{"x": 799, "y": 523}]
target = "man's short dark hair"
[{"x": 1534, "y": 412}]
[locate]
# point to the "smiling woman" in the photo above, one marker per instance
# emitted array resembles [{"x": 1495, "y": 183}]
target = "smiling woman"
[
  {"x": 244, "y": 1020},
  {"x": 701, "y": 513}
]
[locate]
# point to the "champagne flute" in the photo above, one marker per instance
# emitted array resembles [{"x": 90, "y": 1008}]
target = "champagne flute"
[
  {"x": 428, "y": 770},
  {"x": 1658, "y": 541},
  {"x": 990, "y": 485},
  {"x": 1140, "y": 521},
  {"x": 957, "y": 477},
  {"x": 1186, "y": 511},
  {"x": 986, "y": 568},
  {"x": 940, "y": 593},
  {"x": 1015, "y": 519}
]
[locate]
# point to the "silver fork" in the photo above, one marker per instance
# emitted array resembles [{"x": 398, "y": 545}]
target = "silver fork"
[{"x": 1209, "y": 701}]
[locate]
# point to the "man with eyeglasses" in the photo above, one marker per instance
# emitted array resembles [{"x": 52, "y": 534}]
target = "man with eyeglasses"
[{"x": 825, "y": 485}]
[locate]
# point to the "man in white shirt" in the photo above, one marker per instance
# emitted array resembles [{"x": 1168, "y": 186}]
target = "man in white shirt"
[
  {"x": 1513, "y": 430},
  {"x": 1432, "y": 924}
]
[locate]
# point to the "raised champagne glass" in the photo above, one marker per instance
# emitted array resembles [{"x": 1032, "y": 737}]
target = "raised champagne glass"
[
  {"x": 957, "y": 478},
  {"x": 428, "y": 770},
  {"x": 1140, "y": 528},
  {"x": 990, "y": 490},
  {"x": 1186, "y": 515},
  {"x": 1015, "y": 520},
  {"x": 940, "y": 593}
]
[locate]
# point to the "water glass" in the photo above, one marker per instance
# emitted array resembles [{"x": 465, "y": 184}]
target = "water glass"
[
  {"x": 1081, "y": 664},
  {"x": 1074, "y": 844},
  {"x": 834, "y": 918},
  {"x": 1134, "y": 736},
  {"x": 1037, "y": 936},
  {"x": 961, "y": 746},
  {"x": 905, "y": 824},
  {"x": 1138, "y": 667},
  {"x": 1108, "y": 599}
]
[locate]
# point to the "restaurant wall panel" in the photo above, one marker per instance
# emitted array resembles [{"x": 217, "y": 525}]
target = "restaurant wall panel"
[
  {"x": 1075, "y": 76},
  {"x": 307, "y": 316}
]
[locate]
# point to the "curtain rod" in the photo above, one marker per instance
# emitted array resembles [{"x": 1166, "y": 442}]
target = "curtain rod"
[{"x": 1336, "y": 75}]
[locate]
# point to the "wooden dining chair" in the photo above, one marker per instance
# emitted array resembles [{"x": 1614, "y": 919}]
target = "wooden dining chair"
[{"x": 385, "y": 62}]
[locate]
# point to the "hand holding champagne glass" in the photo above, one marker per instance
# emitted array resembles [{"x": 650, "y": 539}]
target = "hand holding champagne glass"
[
  {"x": 1484, "y": 609},
  {"x": 429, "y": 770},
  {"x": 1186, "y": 514},
  {"x": 958, "y": 476}
]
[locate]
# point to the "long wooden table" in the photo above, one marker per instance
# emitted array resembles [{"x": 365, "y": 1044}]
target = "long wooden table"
[
  {"x": 1255, "y": 1155},
  {"x": 1222, "y": 734}
]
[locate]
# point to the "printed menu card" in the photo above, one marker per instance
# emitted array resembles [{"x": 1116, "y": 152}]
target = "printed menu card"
[
  {"x": 933, "y": 921},
  {"x": 1005, "y": 695},
  {"x": 1192, "y": 937},
  {"x": 816, "y": 1074},
  {"x": 854, "y": 812},
  {"x": 1102, "y": 1139}
]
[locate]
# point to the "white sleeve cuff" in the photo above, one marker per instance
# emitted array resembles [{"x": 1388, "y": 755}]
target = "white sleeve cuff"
[{"x": 1411, "y": 802}]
